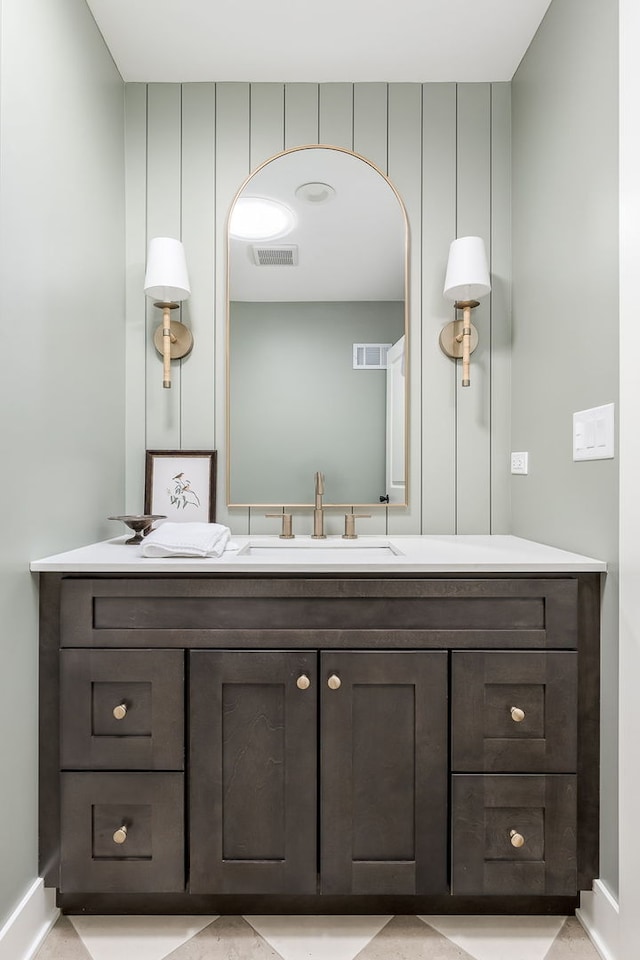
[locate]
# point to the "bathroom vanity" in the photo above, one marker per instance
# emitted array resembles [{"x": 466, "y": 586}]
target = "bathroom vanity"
[{"x": 401, "y": 725}]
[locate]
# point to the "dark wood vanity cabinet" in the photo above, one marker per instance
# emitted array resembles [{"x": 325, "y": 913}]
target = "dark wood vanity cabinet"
[
  {"x": 375, "y": 753},
  {"x": 307, "y": 740}
]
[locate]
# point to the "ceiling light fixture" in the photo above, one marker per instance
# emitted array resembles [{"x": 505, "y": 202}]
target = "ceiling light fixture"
[
  {"x": 315, "y": 192},
  {"x": 258, "y": 218}
]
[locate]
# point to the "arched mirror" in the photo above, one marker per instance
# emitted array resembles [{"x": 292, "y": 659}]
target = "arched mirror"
[{"x": 316, "y": 333}]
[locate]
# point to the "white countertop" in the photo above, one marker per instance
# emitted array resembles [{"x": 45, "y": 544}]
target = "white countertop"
[{"x": 403, "y": 554}]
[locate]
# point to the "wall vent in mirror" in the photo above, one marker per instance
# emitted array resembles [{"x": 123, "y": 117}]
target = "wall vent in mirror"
[
  {"x": 280, "y": 256},
  {"x": 370, "y": 356}
]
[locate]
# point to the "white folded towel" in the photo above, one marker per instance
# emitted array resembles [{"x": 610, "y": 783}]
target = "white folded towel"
[{"x": 186, "y": 540}]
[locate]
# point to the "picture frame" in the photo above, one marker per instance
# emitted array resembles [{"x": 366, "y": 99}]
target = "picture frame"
[{"x": 181, "y": 485}]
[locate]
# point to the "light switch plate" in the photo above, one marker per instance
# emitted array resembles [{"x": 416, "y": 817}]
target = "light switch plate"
[
  {"x": 593, "y": 433},
  {"x": 519, "y": 463}
]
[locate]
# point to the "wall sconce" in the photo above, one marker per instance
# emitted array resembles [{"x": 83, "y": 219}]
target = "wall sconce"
[
  {"x": 167, "y": 282},
  {"x": 467, "y": 279}
]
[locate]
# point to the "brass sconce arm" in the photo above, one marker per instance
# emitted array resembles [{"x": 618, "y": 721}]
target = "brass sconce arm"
[
  {"x": 460, "y": 338},
  {"x": 172, "y": 339}
]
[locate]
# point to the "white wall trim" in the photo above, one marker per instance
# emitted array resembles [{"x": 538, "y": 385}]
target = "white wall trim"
[
  {"x": 29, "y": 923},
  {"x": 600, "y": 916}
]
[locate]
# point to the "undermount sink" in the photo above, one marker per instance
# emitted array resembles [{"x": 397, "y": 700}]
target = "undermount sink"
[{"x": 307, "y": 548}]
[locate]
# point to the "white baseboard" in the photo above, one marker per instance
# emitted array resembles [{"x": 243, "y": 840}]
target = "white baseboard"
[
  {"x": 600, "y": 916},
  {"x": 29, "y": 923}
]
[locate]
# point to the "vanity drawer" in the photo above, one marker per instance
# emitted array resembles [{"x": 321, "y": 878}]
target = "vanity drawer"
[
  {"x": 349, "y": 612},
  {"x": 122, "y": 832},
  {"x": 514, "y": 835},
  {"x": 122, "y": 710},
  {"x": 514, "y": 711}
]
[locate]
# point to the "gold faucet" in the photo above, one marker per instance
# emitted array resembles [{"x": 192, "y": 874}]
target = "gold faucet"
[{"x": 318, "y": 515}]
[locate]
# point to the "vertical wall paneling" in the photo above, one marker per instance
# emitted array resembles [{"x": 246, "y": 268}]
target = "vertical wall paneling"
[
  {"x": 500, "y": 431},
  {"x": 405, "y": 171},
  {"x": 164, "y": 135},
  {"x": 302, "y": 126},
  {"x": 267, "y": 139},
  {"x": 473, "y": 402},
  {"x": 301, "y": 121},
  {"x": 198, "y": 228},
  {"x": 267, "y": 121},
  {"x": 337, "y": 126},
  {"x": 232, "y": 166},
  {"x": 336, "y": 114},
  {"x": 370, "y": 140},
  {"x": 135, "y": 330},
  {"x": 370, "y": 122},
  {"x": 438, "y": 371},
  {"x": 446, "y": 149}
]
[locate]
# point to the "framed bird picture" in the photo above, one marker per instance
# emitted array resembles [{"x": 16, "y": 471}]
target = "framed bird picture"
[{"x": 181, "y": 484}]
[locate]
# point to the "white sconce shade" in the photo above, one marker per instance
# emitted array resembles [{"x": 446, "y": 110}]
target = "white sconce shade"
[
  {"x": 167, "y": 282},
  {"x": 467, "y": 271},
  {"x": 166, "y": 278}
]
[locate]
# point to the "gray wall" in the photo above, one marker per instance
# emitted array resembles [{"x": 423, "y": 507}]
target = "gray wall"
[
  {"x": 446, "y": 147},
  {"x": 62, "y": 384},
  {"x": 565, "y": 310},
  {"x": 295, "y": 398}
]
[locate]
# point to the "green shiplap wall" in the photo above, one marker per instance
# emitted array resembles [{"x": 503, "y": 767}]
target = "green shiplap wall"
[{"x": 446, "y": 148}]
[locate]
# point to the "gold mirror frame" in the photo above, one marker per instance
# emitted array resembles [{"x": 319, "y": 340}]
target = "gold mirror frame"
[{"x": 407, "y": 347}]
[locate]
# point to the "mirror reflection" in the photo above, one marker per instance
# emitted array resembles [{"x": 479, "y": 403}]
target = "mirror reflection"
[{"x": 316, "y": 333}]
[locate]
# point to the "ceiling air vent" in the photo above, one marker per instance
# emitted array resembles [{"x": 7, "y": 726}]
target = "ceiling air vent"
[
  {"x": 370, "y": 356},
  {"x": 275, "y": 256}
]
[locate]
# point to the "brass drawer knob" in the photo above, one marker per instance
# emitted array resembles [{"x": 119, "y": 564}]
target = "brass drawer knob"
[
  {"x": 120, "y": 835},
  {"x": 303, "y": 682},
  {"x": 120, "y": 711},
  {"x": 334, "y": 682},
  {"x": 517, "y": 715},
  {"x": 517, "y": 840}
]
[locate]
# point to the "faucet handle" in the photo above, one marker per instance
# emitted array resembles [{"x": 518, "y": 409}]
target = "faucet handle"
[
  {"x": 287, "y": 525},
  {"x": 350, "y": 524},
  {"x": 319, "y": 483}
]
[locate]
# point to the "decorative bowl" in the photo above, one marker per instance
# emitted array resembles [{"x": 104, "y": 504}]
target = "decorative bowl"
[{"x": 140, "y": 525}]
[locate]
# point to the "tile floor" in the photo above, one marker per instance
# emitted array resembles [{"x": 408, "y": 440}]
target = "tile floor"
[{"x": 317, "y": 938}]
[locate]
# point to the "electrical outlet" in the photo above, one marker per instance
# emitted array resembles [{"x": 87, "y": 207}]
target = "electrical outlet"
[{"x": 519, "y": 463}]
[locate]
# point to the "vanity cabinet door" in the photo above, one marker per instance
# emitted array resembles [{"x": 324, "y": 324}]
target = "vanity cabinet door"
[
  {"x": 384, "y": 772},
  {"x": 253, "y": 772}
]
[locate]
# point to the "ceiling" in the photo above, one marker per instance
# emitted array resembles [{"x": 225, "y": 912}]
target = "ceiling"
[
  {"x": 412, "y": 41},
  {"x": 350, "y": 247}
]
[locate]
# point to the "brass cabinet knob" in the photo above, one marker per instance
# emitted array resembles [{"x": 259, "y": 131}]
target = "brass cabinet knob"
[
  {"x": 517, "y": 715},
  {"x": 517, "y": 840},
  {"x": 334, "y": 682},
  {"x": 120, "y": 835},
  {"x": 120, "y": 711},
  {"x": 303, "y": 682}
]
